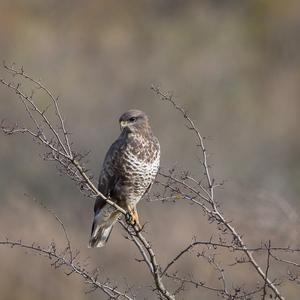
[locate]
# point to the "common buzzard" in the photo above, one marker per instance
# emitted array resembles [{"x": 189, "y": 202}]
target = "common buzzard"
[{"x": 128, "y": 171}]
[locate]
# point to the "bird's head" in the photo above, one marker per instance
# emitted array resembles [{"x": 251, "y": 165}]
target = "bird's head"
[{"x": 133, "y": 120}]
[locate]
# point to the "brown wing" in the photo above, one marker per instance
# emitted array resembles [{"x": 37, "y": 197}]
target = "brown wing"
[{"x": 108, "y": 175}]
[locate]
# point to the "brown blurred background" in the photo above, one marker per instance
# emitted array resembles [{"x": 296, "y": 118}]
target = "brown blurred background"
[{"x": 234, "y": 65}]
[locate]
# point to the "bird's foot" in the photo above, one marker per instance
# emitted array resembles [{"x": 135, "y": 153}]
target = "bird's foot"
[
  {"x": 129, "y": 218},
  {"x": 132, "y": 219}
]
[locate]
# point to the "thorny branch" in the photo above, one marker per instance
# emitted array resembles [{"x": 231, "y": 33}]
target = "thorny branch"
[
  {"x": 50, "y": 131},
  {"x": 149, "y": 257},
  {"x": 57, "y": 142},
  {"x": 66, "y": 258},
  {"x": 268, "y": 246},
  {"x": 203, "y": 195}
]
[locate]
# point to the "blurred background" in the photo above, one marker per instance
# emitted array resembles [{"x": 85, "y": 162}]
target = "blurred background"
[{"x": 234, "y": 65}]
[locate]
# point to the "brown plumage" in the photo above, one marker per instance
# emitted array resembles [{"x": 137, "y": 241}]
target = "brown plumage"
[{"x": 128, "y": 171}]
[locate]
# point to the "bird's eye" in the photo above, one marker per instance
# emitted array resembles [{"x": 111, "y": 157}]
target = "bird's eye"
[{"x": 132, "y": 119}]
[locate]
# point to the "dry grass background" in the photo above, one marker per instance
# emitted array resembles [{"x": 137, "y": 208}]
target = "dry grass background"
[{"x": 234, "y": 65}]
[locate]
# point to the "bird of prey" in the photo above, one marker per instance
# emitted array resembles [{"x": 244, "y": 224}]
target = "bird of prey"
[{"x": 128, "y": 171}]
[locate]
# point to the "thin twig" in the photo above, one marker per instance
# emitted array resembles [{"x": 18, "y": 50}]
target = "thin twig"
[
  {"x": 61, "y": 152},
  {"x": 215, "y": 213},
  {"x": 58, "y": 260},
  {"x": 267, "y": 271}
]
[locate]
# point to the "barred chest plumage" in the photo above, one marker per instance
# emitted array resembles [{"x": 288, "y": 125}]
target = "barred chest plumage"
[
  {"x": 138, "y": 165},
  {"x": 128, "y": 171}
]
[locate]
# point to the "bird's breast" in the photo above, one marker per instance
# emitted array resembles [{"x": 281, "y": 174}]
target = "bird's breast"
[{"x": 137, "y": 170}]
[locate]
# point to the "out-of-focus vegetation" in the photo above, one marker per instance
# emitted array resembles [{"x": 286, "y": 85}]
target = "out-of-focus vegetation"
[{"x": 234, "y": 65}]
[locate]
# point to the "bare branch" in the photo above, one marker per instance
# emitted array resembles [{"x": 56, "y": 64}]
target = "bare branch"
[
  {"x": 267, "y": 271},
  {"x": 58, "y": 259},
  {"x": 214, "y": 213},
  {"x": 49, "y": 131},
  {"x": 71, "y": 163}
]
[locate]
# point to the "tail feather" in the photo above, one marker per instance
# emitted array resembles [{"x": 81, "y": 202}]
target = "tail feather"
[
  {"x": 99, "y": 237},
  {"x": 102, "y": 226}
]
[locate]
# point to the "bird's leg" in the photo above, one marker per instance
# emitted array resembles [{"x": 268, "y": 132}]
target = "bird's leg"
[
  {"x": 136, "y": 217},
  {"x": 133, "y": 217}
]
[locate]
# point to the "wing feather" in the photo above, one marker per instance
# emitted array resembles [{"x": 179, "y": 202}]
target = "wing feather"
[{"x": 108, "y": 175}]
